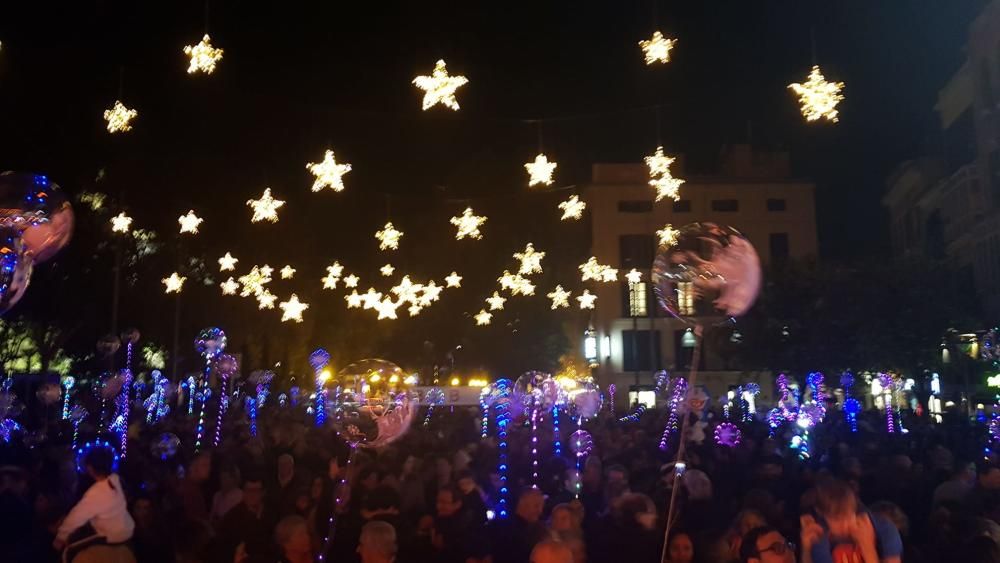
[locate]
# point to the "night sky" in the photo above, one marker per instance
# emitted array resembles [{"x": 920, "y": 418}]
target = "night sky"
[{"x": 297, "y": 78}]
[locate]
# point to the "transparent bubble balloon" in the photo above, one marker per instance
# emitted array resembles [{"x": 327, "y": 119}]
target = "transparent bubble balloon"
[
  {"x": 15, "y": 269},
  {"x": 553, "y": 394},
  {"x": 528, "y": 390},
  {"x": 319, "y": 359},
  {"x": 210, "y": 343},
  {"x": 227, "y": 365},
  {"x": 500, "y": 389},
  {"x": 581, "y": 443},
  {"x": 38, "y": 209},
  {"x": 728, "y": 435},
  {"x": 77, "y": 413},
  {"x": 709, "y": 270},
  {"x": 586, "y": 400},
  {"x": 434, "y": 397},
  {"x": 166, "y": 446},
  {"x": 373, "y": 408}
]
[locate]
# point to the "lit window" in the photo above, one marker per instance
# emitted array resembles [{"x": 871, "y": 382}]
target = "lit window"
[
  {"x": 638, "y": 297},
  {"x": 688, "y": 340},
  {"x": 685, "y": 298}
]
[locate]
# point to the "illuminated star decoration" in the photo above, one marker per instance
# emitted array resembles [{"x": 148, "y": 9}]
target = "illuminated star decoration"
[
  {"x": 559, "y": 297},
  {"x": 468, "y": 224},
  {"x": 496, "y": 302},
  {"x": 351, "y": 281},
  {"x": 265, "y": 208},
  {"x": 119, "y": 118},
  {"x": 173, "y": 284},
  {"x": 253, "y": 282},
  {"x": 668, "y": 235},
  {"x": 227, "y": 263},
  {"x": 203, "y": 56},
  {"x": 353, "y": 300},
  {"x": 332, "y": 276},
  {"x": 531, "y": 261},
  {"x": 591, "y": 270},
  {"x": 328, "y": 173},
  {"x": 818, "y": 97},
  {"x": 287, "y": 272},
  {"x": 121, "y": 223},
  {"x": 572, "y": 208},
  {"x": 453, "y": 280},
  {"x": 229, "y": 287},
  {"x": 660, "y": 177},
  {"x": 587, "y": 299},
  {"x": 634, "y": 276},
  {"x": 439, "y": 88},
  {"x": 266, "y": 299},
  {"x": 657, "y": 49},
  {"x": 371, "y": 298},
  {"x": 387, "y": 270},
  {"x": 292, "y": 309},
  {"x": 388, "y": 237},
  {"x": 540, "y": 171},
  {"x": 516, "y": 284},
  {"x": 483, "y": 318},
  {"x": 189, "y": 222}
]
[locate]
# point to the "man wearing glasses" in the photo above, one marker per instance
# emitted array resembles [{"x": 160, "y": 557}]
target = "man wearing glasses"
[{"x": 766, "y": 545}]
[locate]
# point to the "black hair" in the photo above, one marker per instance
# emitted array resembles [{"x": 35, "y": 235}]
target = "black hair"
[
  {"x": 748, "y": 548},
  {"x": 101, "y": 461},
  {"x": 381, "y": 498}
]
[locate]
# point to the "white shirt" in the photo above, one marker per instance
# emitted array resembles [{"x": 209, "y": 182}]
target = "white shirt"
[{"x": 104, "y": 507}]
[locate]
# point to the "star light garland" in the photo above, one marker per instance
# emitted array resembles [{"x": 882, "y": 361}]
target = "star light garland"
[
  {"x": 119, "y": 118},
  {"x": 439, "y": 87},
  {"x": 174, "y": 283},
  {"x": 660, "y": 176},
  {"x": 121, "y": 223},
  {"x": 453, "y": 280},
  {"x": 388, "y": 237},
  {"x": 540, "y": 171},
  {"x": 496, "y": 302},
  {"x": 468, "y": 225},
  {"x": 328, "y": 173},
  {"x": 572, "y": 208},
  {"x": 668, "y": 235},
  {"x": 587, "y": 299},
  {"x": 189, "y": 222},
  {"x": 657, "y": 48},
  {"x": 530, "y": 259},
  {"x": 592, "y": 270},
  {"x": 265, "y": 208},
  {"x": 227, "y": 263},
  {"x": 292, "y": 309},
  {"x": 818, "y": 97},
  {"x": 203, "y": 56},
  {"x": 560, "y": 297}
]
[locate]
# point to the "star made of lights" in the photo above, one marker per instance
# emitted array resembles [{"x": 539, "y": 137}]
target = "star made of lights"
[
  {"x": 540, "y": 171},
  {"x": 292, "y": 309},
  {"x": 666, "y": 186},
  {"x": 121, "y": 223},
  {"x": 414, "y": 310},
  {"x": 634, "y": 276},
  {"x": 388, "y": 237},
  {"x": 572, "y": 208},
  {"x": 439, "y": 87},
  {"x": 560, "y": 297},
  {"x": 818, "y": 97},
  {"x": 516, "y": 284},
  {"x": 228, "y": 263},
  {"x": 386, "y": 309},
  {"x": 496, "y": 302},
  {"x": 587, "y": 299},
  {"x": 173, "y": 284},
  {"x": 431, "y": 293},
  {"x": 254, "y": 281},
  {"x": 483, "y": 318},
  {"x": 351, "y": 281},
  {"x": 371, "y": 299},
  {"x": 189, "y": 222},
  {"x": 333, "y": 274},
  {"x": 531, "y": 260},
  {"x": 591, "y": 270},
  {"x": 265, "y": 208},
  {"x": 119, "y": 118},
  {"x": 266, "y": 299},
  {"x": 468, "y": 224},
  {"x": 287, "y": 272},
  {"x": 660, "y": 176},
  {"x": 203, "y": 56},
  {"x": 658, "y": 163},
  {"x": 328, "y": 173},
  {"x": 387, "y": 270},
  {"x": 668, "y": 235},
  {"x": 453, "y": 280},
  {"x": 657, "y": 49},
  {"x": 354, "y": 300},
  {"x": 230, "y": 286}
]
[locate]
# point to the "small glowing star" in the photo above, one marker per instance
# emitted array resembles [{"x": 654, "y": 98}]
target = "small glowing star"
[
  {"x": 668, "y": 235},
  {"x": 266, "y": 299},
  {"x": 189, "y": 222},
  {"x": 572, "y": 208},
  {"x": 587, "y": 299},
  {"x": 540, "y": 171},
  {"x": 328, "y": 173},
  {"x": 229, "y": 287},
  {"x": 559, "y": 297},
  {"x": 453, "y": 280},
  {"x": 174, "y": 284},
  {"x": 439, "y": 87},
  {"x": 119, "y": 118},
  {"x": 483, "y": 318},
  {"x": 634, "y": 276},
  {"x": 203, "y": 56},
  {"x": 818, "y": 97},
  {"x": 265, "y": 208},
  {"x": 351, "y": 281},
  {"x": 388, "y": 237},
  {"x": 531, "y": 261},
  {"x": 468, "y": 225},
  {"x": 353, "y": 300},
  {"x": 657, "y": 49},
  {"x": 292, "y": 309},
  {"x": 591, "y": 270},
  {"x": 121, "y": 223},
  {"x": 287, "y": 272},
  {"x": 387, "y": 270},
  {"x": 496, "y": 302}
]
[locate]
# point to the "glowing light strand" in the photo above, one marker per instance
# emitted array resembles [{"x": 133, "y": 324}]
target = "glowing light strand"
[{"x": 676, "y": 397}]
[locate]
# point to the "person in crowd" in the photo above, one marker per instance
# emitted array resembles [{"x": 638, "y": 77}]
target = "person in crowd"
[
  {"x": 152, "y": 540},
  {"x": 841, "y": 531},
  {"x": 193, "y": 488},
  {"x": 229, "y": 494},
  {"x": 292, "y": 537},
  {"x": 551, "y": 551},
  {"x": 958, "y": 486},
  {"x": 680, "y": 549},
  {"x": 283, "y": 491},
  {"x": 745, "y": 521},
  {"x": 766, "y": 545},
  {"x": 516, "y": 536},
  {"x": 473, "y": 498},
  {"x": 377, "y": 543},
  {"x": 250, "y": 524},
  {"x": 452, "y": 526}
]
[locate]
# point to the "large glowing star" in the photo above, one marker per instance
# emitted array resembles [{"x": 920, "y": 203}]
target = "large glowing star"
[
  {"x": 660, "y": 176},
  {"x": 468, "y": 224},
  {"x": 439, "y": 88},
  {"x": 173, "y": 284},
  {"x": 229, "y": 287},
  {"x": 287, "y": 272},
  {"x": 572, "y": 208},
  {"x": 121, "y": 223},
  {"x": 265, "y": 208},
  {"x": 227, "y": 263},
  {"x": 329, "y": 173},
  {"x": 119, "y": 118},
  {"x": 386, "y": 309},
  {"x": 818, "y": 97},
  {"x": 203, "y": 56},
  {"x": 657, "y": 49},
  {"x": 189, "y": 222},
  {"x": 668, "y": 235},
  {"x": 560, "y": 297},
  {"x": 587, "y": 299},
  {"x": 266, "y": 299},
  {"x": 540, "y": 171},
  {"x": 530, "y": 259},
  {"x": 371, "y": 298},
  {"x": 354, "y": 300},
  {"x": 292, "y": 309},
  {"x": 387, "y": 270},
  {"x": 254, "y": 281},
  {"x": 496, "y": 302},
  {"x": 591, "y": 270},
  {"x": 453, "y": 280},
  {"x": 388, "y": 237},
  {"x": 483, "y": 318}
]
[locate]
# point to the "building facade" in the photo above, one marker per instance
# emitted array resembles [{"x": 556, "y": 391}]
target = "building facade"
[{"x": 753, "y": 192}]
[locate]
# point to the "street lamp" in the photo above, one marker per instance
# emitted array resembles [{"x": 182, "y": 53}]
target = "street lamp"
[{"x": 590, "y": 347}]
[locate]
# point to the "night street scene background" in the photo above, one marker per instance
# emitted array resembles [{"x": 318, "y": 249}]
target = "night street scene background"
[{"x": 593, "y": 257}]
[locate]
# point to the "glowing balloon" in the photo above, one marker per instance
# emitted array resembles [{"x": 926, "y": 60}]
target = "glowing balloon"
[
  {"x": 852, "y": 406},
  {"x": 528, "y": 391},
  {"x": 373, "y": 408},
  {"x": 131, "y": 335},
  {"x": 38, "y": 210},
  {"x": 581, "y": 443},
  {"x": 48, "y": 393},
  {"x": 586, "y": 400},
  {"x": 227, "y": 365},
  {"x": 497, "y": 391},
  {"x": 15, "y": 268},
  {"x": 434, "y": 397},
  {"x": 112, "y": 386},
  {"x": 319, "y": 359},
  {"x": 728, "y": 435},
  {"x": 210, "y": 343},
  {"x": 708, "y": 270}
]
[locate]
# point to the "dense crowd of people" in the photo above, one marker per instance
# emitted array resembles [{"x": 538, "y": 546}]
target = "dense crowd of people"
[{"x": 929, "y": 494}]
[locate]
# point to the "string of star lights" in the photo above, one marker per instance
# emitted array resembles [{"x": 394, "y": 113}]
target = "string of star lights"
[
  {"x": 174, "y": 283},
  {"x": 592, "y": 270},
  {"x": 121, "y": 223},
  {"x": 657, "y": 48},
  {"x": 388, "y": 237},
  {"x": 668, "y": 235},
  {"x": 203, "y": 56},
  {"x": 587, "y": 299},
  {"x": 227, "y": 263},
  {"x": 468, "y": 225},
  {"x": 530, "y": 259},
  {"x": 328, "y": 172},
  {"x": 292, "y": 309},
  {"x": 265, "y": 208},
  {"x": 189, "y": 222},
  {"x": 818, "y": 98},
  {"x": 119, "y": 118},
  {"x": 572, "y": 208},
  {"x": 540, "y": 171},
  {"x": 660, "y": 176},
  {"x": 560, "y": 297},
  {"x": 439, "y": 87}
]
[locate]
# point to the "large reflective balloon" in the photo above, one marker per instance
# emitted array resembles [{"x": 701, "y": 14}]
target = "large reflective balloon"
[
  {"x": 210, "y": 343},
  {"x": 528, "y": 391},
  {"x": 709, "y": 270},
  {"x": 585, "y": 400},
  {"x": 38, "y": 209},
  {"x": 15, "y": 268},
  {"x": 374, "y": 408}
]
